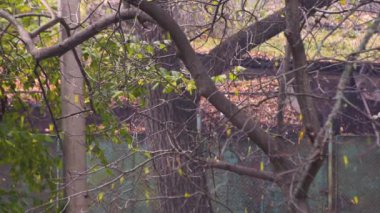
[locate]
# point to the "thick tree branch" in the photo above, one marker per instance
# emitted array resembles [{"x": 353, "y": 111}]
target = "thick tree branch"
[
  {"x": 71, "y": 42},
  {"x": 51, "y": 11},
  {"x": 242, "y": 170},
  {"x": 221, "y": 57},
  {"x": 294, "y": 19},
  {"x": 24, "y": 35},
  {"x": 274, "y": 148},
  {"x": 46, "y": 26}
]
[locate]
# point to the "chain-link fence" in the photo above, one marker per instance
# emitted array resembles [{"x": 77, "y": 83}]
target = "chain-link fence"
[{"x": 354, "y": 169}]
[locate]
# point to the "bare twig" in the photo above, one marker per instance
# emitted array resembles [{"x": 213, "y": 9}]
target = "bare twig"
[
  {"x": 35, "y": 71},
  {"x": 317, "y": 155},
  {"x": 242, "y": 170}
]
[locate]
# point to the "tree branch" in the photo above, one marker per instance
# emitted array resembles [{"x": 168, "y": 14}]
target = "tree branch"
[
  {"x": 274, "y": 148},
  {"x": 24, "y": 35},
  {"x": 51, "y": 11},
  {"x": 78, "y": 38},
  {"x": 46, "y": 26},
  {"x": 294, "y": 19},
  {"x": 242, "y": 170},
  {"x": 317, "y": 155},
  {"x": 220, "y": 58}
]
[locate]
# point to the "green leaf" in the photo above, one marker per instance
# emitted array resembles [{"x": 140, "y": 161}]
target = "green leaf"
[
  {"x": 162, "y": 46},
  {"x": 117, "y": 94},
  {"x": 149, "y": 49},
  {"x": 232, "y": 76},
  {"x": 219, "y": 78},
  {"x": 190, "y": 86}
]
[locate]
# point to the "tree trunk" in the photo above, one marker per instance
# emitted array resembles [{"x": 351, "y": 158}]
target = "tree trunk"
[
  {"x": 73, "y": 127},
  {"x": 172, "y": 126}
]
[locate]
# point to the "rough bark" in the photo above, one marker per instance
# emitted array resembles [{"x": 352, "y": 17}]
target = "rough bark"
[
  {"x": 276, "y": 149},
  {"x": 73, "y": 127},
  {"x": 172, "y": 126},
  {"x": 294, "y": 19}
]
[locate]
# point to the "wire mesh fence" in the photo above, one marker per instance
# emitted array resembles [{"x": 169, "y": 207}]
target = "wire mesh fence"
[{"x": 355, "y": 188}]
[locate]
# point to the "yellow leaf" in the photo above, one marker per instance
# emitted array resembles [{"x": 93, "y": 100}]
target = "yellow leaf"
[
  {"x": 215, "y": 3},
  {"x": 180, "y": 172},
  {"x": 187, "y": 195},
  {"x": 76, "y": 99},
  {"x": 121, "y": 180},
  {"x": 355, "y": 200},
  {"x": 147, "y": 197},
  {"x": 146, "y": 170},
  {"x": 141, "y": 82},
  {"x": 345, "y": 160},
  {"x": 147, "y": 155},
  {"x": 261, "y": 166},
  {"x": 112, "y": 186},
  {"x": 301, "y": 117},
  {"x": 228, "y": 132},
  {"x": 100, "y": 196},
  {"x": 51, "y": 127},
  {"x": 301, "y": 135},
  {"x": 342, "y": 2}
]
